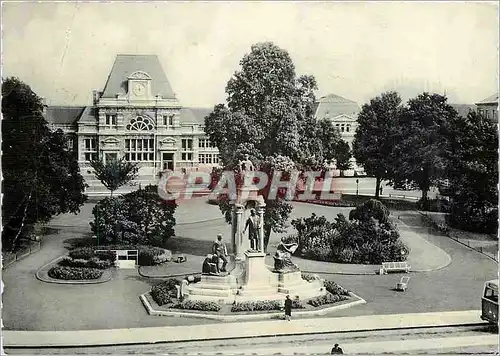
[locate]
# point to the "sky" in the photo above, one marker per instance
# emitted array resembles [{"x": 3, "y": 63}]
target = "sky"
[{"x": 354, "y": 49}]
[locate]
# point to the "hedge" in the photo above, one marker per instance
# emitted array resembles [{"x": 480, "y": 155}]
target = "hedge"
[
  {"x": 327, "y": 299},
  {"x": 197, "y": 305},
  {"x": 93, "y": 262},
  {"x": 335, "y": 289},
  {"x": 264, "y": 305},
  {"x": 164, "y": 292},
  {"x": 148, "y": 255},
  {"x": 74, "y": 273}
]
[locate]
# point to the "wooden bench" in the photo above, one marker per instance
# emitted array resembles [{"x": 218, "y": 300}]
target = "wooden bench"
[{"x": 394, "y": 267}]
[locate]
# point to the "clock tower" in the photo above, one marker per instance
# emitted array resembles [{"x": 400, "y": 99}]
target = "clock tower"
[{"x": 139, "y": 86}]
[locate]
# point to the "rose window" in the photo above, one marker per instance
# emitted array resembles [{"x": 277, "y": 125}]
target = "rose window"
[{"x": 140, "y": 123}]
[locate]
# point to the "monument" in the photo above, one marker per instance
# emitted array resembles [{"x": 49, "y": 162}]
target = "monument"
[{"x": 248, "y": 278}]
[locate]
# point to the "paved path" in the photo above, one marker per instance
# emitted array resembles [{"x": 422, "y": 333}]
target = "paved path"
[{"x": 234, "y": 330}]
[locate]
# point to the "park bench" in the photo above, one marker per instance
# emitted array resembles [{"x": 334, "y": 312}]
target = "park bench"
[
  {"x": 403, "y": 284},
  {"x": 394, "y": 267}
]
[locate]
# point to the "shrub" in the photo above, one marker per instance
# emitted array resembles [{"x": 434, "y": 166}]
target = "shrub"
[
  {"x": 94, "y": 262},
  {"x": 434, "y": 205},
  {"x": 308, "y": 277},
  {"x": 197, "y": 305},
  {"x": 164, "y": 292},
  {"x": 335, "y": 289},
  {"x": 83, "y": 253},
  {"x": 369, "y": 238},
  {"x": 326, "y": 299},
  {"x": 74, "y": 273},
  {"x": 150, "y": 256}
]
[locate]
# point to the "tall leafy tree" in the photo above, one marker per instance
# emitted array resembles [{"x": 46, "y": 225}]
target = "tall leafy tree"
[
  {"x": 114, "y": 173},
  {"x": 41, "y": 175},
  {"x": 343, "y": 156},
  {"x": 472, "y": 170},
  {"x": 418, "y": 156},
  {"x": 270, "y": 116},
  {"x": 374, "y": 139}
]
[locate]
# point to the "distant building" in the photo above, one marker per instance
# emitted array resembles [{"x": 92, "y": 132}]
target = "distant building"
[
  {"x": 489, "y": 107},
  {"x": 137, "y": 116},
  {"x": 343, "y": 113}
]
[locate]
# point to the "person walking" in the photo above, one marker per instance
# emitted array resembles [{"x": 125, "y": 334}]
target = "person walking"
[
  {"x": 219, "y": 249},
  {"x": 288, "y": 308},
  {"x": 336, "y": 350}
]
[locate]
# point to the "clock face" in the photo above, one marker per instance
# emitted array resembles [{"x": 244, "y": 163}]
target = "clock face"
[{"x": 139, "y": 89}]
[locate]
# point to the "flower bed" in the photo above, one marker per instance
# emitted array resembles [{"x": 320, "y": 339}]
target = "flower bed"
[
  {"x": 197, "y": 305},
  {"x": 264, "y": 305},
  {"x": 74, "y": 273},
  {"x": 327, "y": 299}
]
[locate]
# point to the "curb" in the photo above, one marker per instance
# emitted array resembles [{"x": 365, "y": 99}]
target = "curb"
[
  {"x": 73, "y": 282},
  {"x": 236, "y": 317}
]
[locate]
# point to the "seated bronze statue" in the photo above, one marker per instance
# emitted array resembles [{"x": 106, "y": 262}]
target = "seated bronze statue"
[
  {"x": 283, "y": 257},
  {"x": 210, "y": 265}
]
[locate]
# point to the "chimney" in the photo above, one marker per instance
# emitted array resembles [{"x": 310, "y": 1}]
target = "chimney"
[{"x": 96, "y": 94}]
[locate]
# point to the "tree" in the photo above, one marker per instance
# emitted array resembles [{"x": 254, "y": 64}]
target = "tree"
[
  {"x": 421, "y": 141},
  {"x": 41, "y": 175},
  {"x": 114, "y": 173},
  {"x": 472, "y": 171},
  {"x": 374, "y": 138},
  {"x": 269, "y": 114},
  {"x": 343, "y": 156},
  {"x": 139, "y": 217}
]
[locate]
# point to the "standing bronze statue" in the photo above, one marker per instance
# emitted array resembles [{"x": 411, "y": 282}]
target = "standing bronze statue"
[{"x": 253, "y": 226}]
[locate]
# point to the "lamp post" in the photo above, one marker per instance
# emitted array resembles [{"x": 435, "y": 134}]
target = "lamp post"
[{"x": 357, "y": 187}]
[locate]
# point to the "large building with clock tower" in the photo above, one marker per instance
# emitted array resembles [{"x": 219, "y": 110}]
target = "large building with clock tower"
[{"x": 137, "y": 116}]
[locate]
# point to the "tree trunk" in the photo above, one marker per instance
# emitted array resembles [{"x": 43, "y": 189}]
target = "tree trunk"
[
  {"x": 267, "y": 234},
  {"x": 425, "y": 192},
  {"x": 377, "y": 187}
]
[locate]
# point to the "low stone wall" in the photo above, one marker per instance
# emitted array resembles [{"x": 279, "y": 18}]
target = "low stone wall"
[{"x": 11, "y": 258}]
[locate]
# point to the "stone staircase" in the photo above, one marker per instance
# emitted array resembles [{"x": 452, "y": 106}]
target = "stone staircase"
[{"x": 210, "y": 288}]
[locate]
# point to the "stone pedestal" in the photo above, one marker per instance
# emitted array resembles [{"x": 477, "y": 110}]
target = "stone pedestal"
[{"x": 292, "y": 283}]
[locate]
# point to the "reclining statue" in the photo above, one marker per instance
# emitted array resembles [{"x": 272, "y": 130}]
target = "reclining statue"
[{"x": 283, "y": 257}]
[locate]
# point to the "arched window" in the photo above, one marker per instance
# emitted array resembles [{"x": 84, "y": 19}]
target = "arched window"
[{"x": 141, "y": 123}]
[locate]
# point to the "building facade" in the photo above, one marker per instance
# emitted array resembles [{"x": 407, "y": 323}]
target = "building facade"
[
  {"x": 138, "y": 117},
  {"x": 489, "y": 107}
]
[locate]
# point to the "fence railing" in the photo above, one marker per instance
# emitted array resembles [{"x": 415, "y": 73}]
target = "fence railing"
[
  {"x": 9, "y": 259},
  {"x": 443, "y": 228}
]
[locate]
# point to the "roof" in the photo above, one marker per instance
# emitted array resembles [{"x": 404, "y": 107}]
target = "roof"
[
  {"x": 194, "y": 115},
  {"x": 126, "y": 64},
  {"x": 89, "y": 115},
  {"x": 332, "y": 105},
  {"x": 489, "y": 100},
  {"x": 63, "y": 115},
  {"x": 463, "y": 109}
]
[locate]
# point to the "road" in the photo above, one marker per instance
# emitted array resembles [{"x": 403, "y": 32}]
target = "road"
[{"x": 467, "y": 339}]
